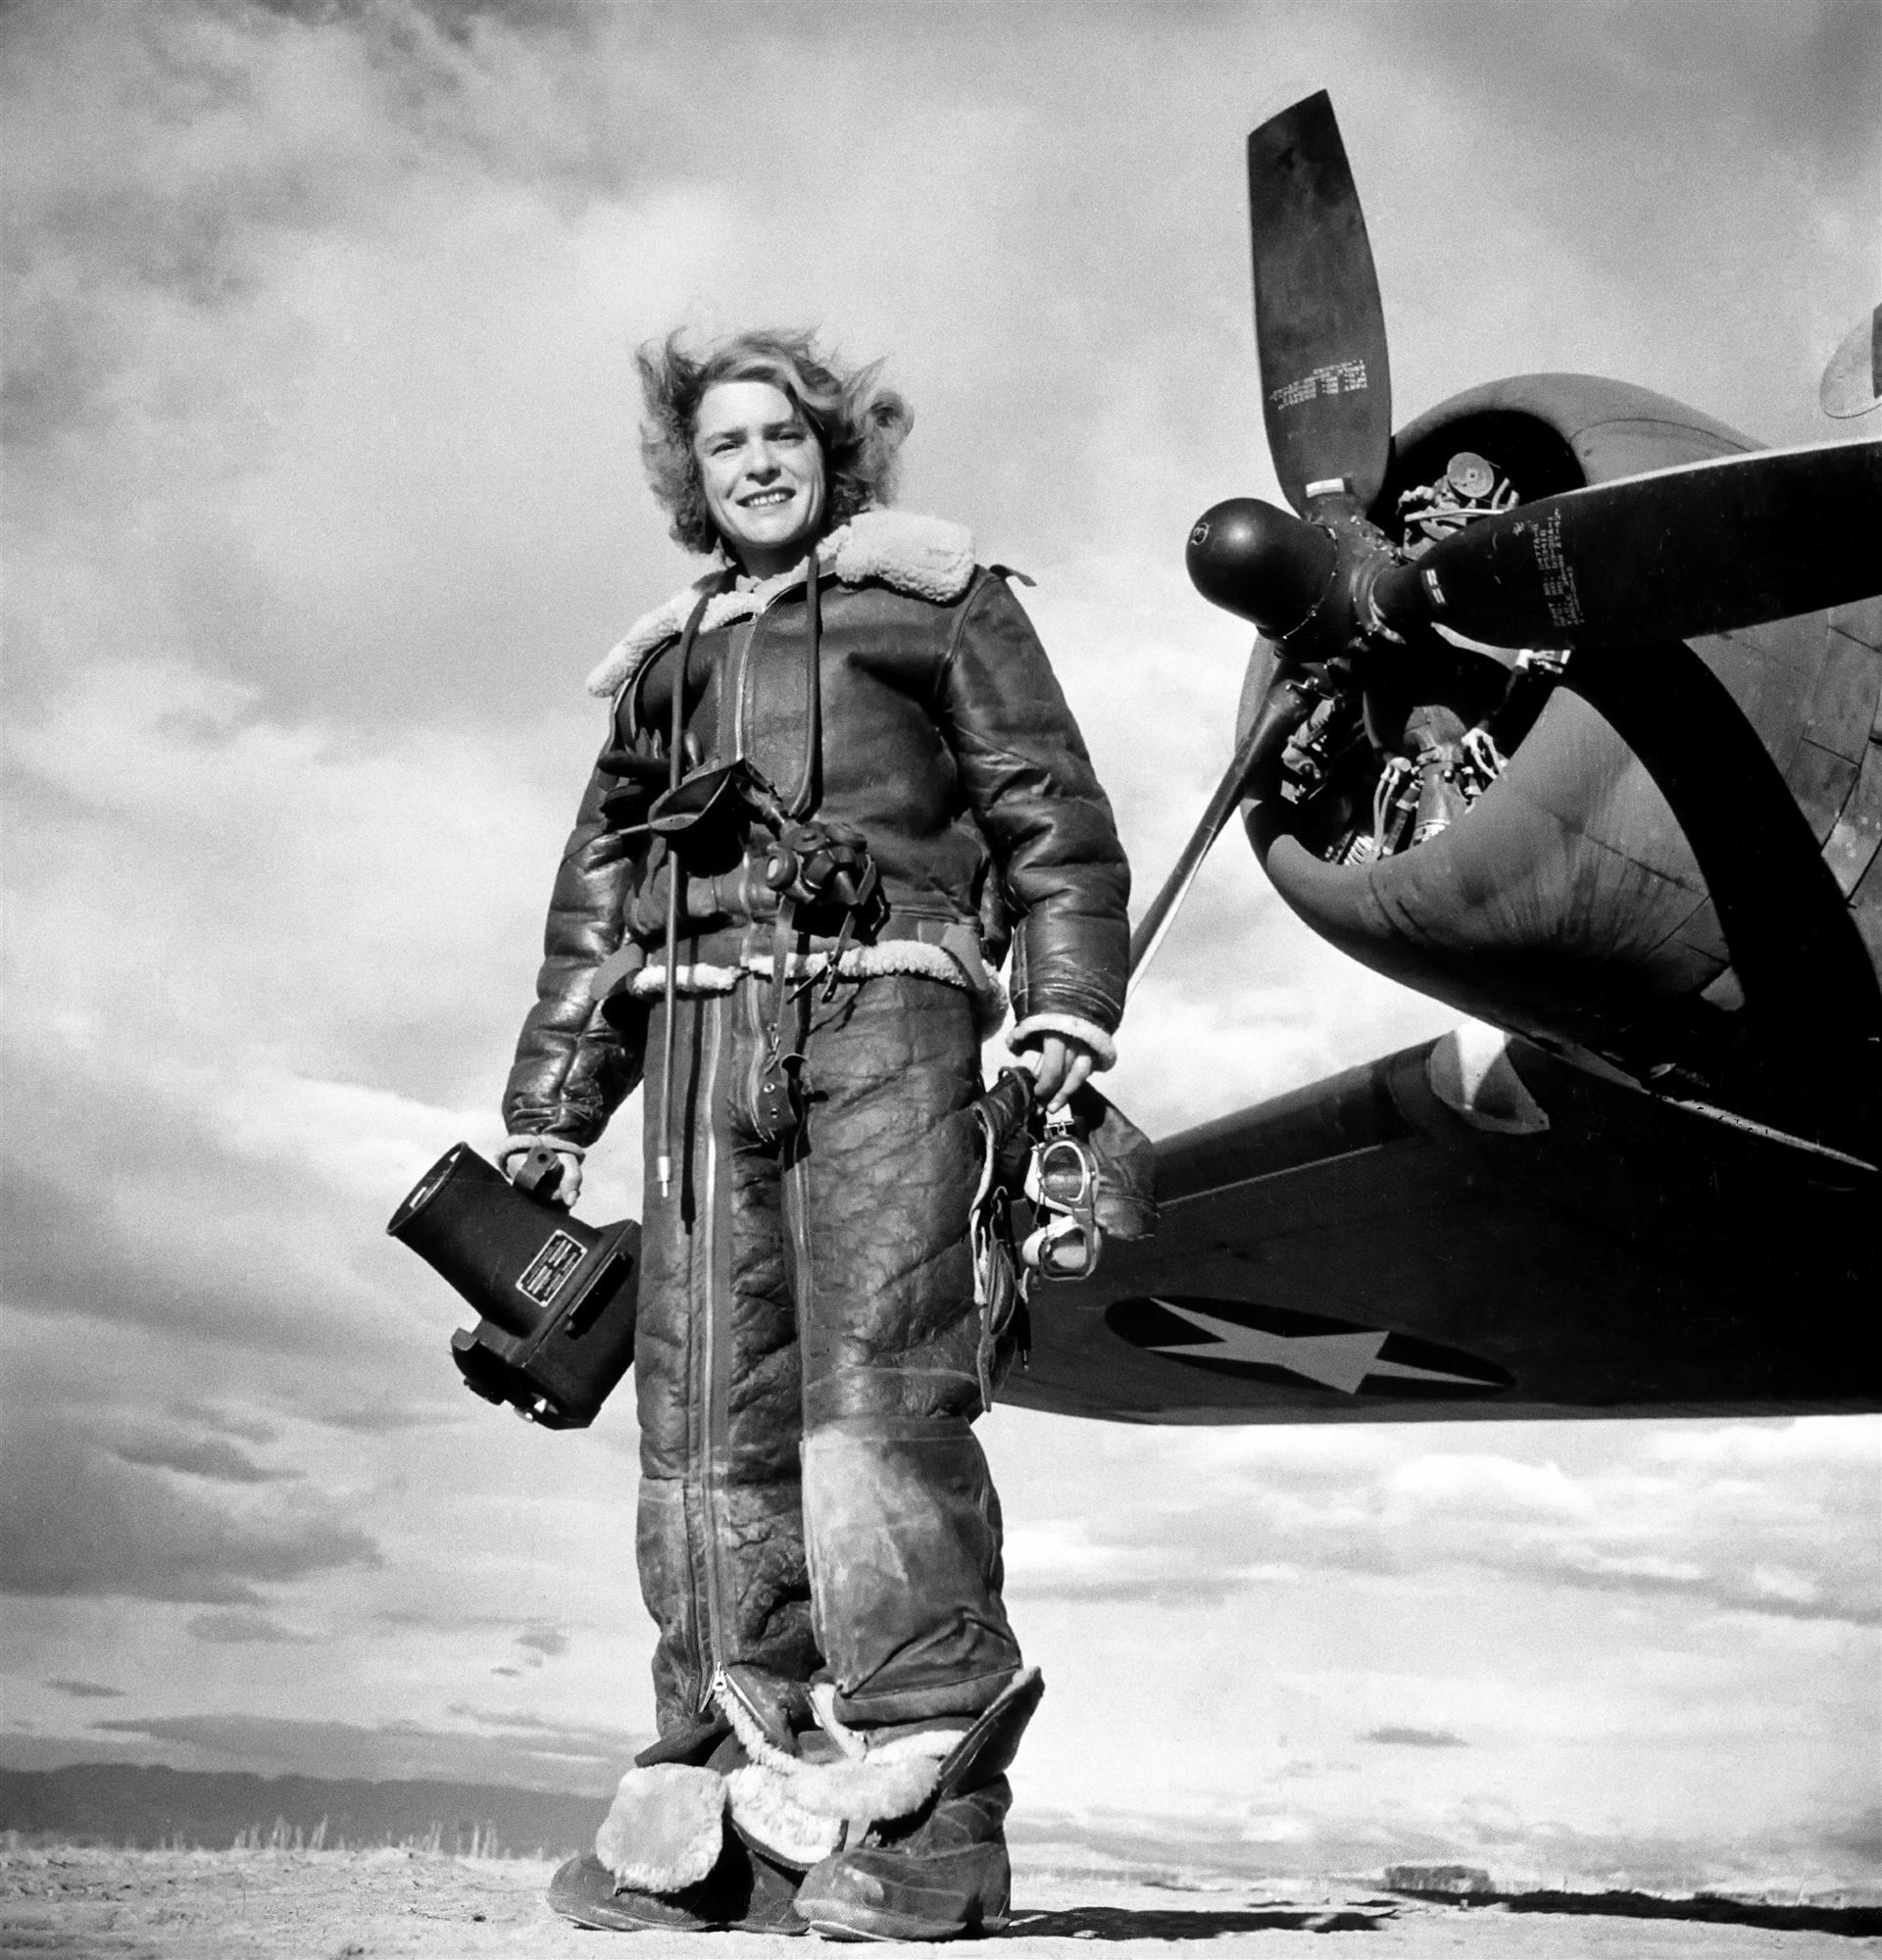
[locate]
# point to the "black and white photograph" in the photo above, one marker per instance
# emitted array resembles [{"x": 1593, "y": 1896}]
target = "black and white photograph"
[{"x": 942, "y": 955}]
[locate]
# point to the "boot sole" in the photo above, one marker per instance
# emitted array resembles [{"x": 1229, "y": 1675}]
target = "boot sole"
[
  {"x": 568, "y": 1900},
  {"x": 597, "y": 1919},
  {"x": 961, "y": 1893},
  {"x": 859, "y": 1923}
]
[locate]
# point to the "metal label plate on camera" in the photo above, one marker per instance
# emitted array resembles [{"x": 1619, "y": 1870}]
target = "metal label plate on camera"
[{"x": 548, "y": 1272}]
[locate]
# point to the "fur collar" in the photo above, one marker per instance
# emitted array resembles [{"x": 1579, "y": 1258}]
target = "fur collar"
[{"x": 925, "y": 557}]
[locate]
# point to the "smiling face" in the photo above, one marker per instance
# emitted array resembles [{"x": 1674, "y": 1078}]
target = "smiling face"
[{"x": 763, "y": 470}]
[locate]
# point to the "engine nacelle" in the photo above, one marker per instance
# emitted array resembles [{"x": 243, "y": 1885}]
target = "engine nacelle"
[{"x": 1612, "y": 858}]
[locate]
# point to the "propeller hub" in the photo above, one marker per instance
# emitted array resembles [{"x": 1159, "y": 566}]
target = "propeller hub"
[{"x": 1261, "y": 564}]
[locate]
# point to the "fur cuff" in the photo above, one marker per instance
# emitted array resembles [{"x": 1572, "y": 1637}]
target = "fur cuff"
[
  {"x": 801, "y": 1811},
  {"x": 765, "y": 1810},
  {"x": 893, "y": 1781},
  {"x": 1089, "y": 1032},
  {"x": 925, "y": 557},
  {"x": 666, "y": 1829}
]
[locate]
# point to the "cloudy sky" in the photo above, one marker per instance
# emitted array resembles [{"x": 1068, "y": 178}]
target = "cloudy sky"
[{"x": 321, "y": 500}]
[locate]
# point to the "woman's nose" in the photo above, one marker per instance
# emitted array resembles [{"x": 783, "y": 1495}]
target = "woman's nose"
[{"x": 763, "y": 464}]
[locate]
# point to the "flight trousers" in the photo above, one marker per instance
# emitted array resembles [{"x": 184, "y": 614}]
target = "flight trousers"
[{"x": 809, "y": 1361}]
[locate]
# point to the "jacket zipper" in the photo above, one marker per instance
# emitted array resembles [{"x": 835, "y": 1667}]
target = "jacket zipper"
[{"x": 716, "y": 1388}]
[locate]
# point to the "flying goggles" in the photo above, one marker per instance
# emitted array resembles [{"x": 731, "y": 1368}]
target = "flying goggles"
[{"x": 1062, "y": 1186}]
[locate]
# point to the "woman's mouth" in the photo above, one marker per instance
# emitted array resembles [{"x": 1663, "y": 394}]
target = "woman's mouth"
[{"x": 765, "y": 499}]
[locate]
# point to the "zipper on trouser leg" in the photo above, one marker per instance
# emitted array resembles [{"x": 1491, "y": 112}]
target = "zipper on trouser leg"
[
  {"x": 796, "y": 1200},
  {"x": 712, "y": 1354}
]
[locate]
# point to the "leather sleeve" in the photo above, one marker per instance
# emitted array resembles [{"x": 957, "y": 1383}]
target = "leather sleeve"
[
  {"x": 574, "y": 1067},
  {"x": 1032, "y": 791}
]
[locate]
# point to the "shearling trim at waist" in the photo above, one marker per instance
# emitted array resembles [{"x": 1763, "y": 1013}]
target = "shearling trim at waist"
[
  {"x": 927, "y": 558},
  {"x": 859, "y": 962}
]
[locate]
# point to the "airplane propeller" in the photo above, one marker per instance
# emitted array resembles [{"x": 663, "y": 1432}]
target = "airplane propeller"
[
  {"x": 1701, "y": 549},
  {"x": 1279, "y": 715},
  {"x": 1634, "y": 562},
  {"x": 1326, "y": 390}
]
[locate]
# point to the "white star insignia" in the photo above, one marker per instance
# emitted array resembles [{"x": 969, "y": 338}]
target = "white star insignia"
[{"x": 1339, "y": 1362}]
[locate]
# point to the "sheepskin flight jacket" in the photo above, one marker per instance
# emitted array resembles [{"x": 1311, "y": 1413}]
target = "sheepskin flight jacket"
[{"x": 946, "y": 742}]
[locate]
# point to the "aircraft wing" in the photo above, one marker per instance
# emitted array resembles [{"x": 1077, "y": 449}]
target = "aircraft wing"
[{"x": 1454, "y": 1232}]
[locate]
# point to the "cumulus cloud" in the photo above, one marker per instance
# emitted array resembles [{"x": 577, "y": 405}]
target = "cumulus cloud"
[
  {"x": 244, "y": 1627},
  {"x": 510, "y": 1721},
  {"x": 1415, "y": 1738},
  {"x": 1788, "y": 1591},
  {"x": 1672, "y": 1517},
  {"x": 81, "y": 1523},
  {"x": 221, "y": 1420},
  {"x": 205, "y": 1457},
  {"x": 322, "y": 497},
  {"x": 389, "y": 1418}
]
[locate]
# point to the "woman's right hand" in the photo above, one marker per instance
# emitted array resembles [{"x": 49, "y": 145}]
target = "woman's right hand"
[{"x": 1061, "y": 1067}]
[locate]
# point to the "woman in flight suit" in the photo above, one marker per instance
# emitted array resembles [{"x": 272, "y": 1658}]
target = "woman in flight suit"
[{"x": 819, "y": 1537}]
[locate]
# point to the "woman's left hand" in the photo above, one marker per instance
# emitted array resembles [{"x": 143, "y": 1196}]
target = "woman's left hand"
[{"x": 1060, "y": 1067}]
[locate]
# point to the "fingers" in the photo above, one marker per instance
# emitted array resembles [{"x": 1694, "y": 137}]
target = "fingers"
[
  {"x": 568, "y": 1187},
  {"x": 1048, "y": 1063},
  {"x": 1060, "y": 1067},
  {"x": 1076, "y": 1076}
]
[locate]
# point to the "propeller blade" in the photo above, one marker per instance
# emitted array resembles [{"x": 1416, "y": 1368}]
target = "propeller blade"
[
  {"x": 1666, "y": 557},
  {"x": 1318, "y": 326},
  {"x": 1281, "y": 711}
]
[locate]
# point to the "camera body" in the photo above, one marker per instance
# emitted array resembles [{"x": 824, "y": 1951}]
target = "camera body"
[{"x": 555, "y": 1297}]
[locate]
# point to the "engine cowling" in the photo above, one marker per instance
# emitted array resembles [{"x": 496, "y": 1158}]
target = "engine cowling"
[{"x": 1630, "y": 860}]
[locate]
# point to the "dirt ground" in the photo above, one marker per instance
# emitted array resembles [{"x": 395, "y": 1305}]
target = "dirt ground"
[{"x": 360, "y": 1905}]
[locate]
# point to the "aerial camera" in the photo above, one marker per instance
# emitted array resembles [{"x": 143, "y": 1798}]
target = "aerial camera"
[{"x": 555, "y": 1297}]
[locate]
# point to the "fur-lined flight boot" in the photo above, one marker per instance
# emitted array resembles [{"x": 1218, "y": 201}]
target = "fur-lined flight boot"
[
  {"x": 941, "y": 1870},
  {"x": 668, "y": 1858},
  {"x": 744, "y": 1892}
]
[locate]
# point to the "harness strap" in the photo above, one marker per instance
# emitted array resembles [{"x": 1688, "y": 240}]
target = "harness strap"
[
  {"x": 809, "y": 782},
  {"x": 802, "y": 800},
  {"x": 781, "y": 949},
  {"x": 676, "y": 762}
]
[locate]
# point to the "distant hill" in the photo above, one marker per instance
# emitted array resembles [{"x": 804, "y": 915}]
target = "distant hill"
[
  {"x": 126, "y": 1804},
  {"x": 131, "y": 1804}
]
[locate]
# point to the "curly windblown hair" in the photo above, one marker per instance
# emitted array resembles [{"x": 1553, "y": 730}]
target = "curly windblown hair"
[{"x": 858, "y": 424}]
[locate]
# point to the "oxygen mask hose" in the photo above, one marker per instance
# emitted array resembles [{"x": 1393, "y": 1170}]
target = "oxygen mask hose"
[
  {"x": 807, "y": 794},
  {"x": 663, "y": 1161}
]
